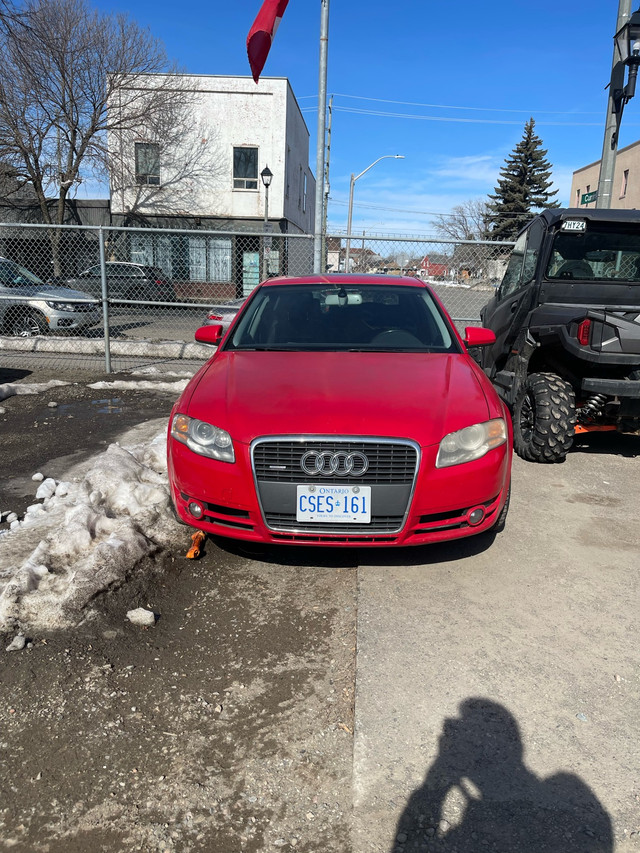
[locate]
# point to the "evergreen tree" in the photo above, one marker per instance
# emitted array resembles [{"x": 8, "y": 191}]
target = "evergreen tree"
[{"x": 523, "y": 187}]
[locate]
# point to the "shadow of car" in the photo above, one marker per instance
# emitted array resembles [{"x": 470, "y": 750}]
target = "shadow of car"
[
  {"x": 126, "y": 281},
  {"x": 29, "y": 307}
]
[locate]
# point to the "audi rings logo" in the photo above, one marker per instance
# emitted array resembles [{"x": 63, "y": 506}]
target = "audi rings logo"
[{"x": 340, "y": 464}]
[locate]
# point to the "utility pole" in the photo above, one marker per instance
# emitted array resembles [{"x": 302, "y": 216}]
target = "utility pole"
[
  {"x": 613, "y": 117},
  {"x": 320, "y": 142},
  {"x": 325, "y": 190}
]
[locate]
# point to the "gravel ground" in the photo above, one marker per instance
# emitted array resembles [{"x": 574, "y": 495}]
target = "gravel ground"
[{"x": 226, "y": 726}]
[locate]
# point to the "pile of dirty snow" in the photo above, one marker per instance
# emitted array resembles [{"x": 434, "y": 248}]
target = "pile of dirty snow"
[{"x": 86, "y": 533}]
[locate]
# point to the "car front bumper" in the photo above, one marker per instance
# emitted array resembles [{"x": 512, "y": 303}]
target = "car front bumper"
[
  {"x": 436, "y": 506},
  {"x": 69, "y": 322}
]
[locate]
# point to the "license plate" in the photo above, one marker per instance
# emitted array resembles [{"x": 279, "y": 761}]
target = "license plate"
[
  {"x": 334, "y": 504},
  {"x": 576, "y": 225}
]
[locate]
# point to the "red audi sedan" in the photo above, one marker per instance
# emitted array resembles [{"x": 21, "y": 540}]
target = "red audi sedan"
[{"x": 341, "y": 410}]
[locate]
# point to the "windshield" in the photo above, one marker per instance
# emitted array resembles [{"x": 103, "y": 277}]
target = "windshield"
[
  {"x": 13, "y": 275},
  {"x": 357, "y": 317},
  {"x": 603, "y": 252}
]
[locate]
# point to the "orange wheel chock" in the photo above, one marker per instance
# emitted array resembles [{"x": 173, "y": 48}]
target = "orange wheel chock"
[
  {"x": 196, "y": 542},
  {"x": 580, "y": 430}
]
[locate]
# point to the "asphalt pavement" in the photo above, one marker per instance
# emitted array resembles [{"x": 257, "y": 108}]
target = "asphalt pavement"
[
  {"x": 497, "y": 686},
  {"x": 496, "y": 679}
]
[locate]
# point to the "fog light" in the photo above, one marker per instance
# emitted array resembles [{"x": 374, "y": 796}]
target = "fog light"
[
  {"x": 476, "y": 516},
  {"x": 195, "y": 509}
]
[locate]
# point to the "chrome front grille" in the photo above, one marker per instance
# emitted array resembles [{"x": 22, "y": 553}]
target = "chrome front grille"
[
  {"x": 280, "y": 461},
  {"x": 391, "y": 472}
]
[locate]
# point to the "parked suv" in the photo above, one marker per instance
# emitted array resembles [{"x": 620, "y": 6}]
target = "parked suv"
[
  {"x": 567, "y": 322},
  {"x": 127, "y": 281},
  {"x": 29, "y": 307}
]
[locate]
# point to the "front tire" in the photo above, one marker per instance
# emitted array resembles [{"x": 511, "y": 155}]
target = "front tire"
[
  {"x": 26, "y": 324},
  {"x": 544, "y": 418}
]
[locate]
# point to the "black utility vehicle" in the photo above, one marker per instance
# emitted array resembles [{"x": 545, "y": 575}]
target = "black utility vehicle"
[{"x": 567, "y": 322}]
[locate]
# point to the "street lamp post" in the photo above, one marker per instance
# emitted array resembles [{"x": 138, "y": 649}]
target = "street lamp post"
[
  {"x": 354, "y": 178},
  {"x": 626, "y": 53},
  {"x": 267, "y": 175}
]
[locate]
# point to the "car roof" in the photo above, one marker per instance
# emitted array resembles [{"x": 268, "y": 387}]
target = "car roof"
[
  {"x": 555, "y": 215},
  {"x": 345, "y": 279}
]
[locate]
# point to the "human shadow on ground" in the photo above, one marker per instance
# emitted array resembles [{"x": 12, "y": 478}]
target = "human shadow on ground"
[{"x": 479, "y": 795}]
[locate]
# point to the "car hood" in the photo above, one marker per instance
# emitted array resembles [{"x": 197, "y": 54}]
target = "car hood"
[
  {"x": 419, "y": 396},
  {"x": 33, "y": 292}
]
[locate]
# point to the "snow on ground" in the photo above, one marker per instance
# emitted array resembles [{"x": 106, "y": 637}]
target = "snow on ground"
[
  {"x": 9, "y": 389},
  {"x": 89, "y": 531},
  {"x": 176, "y": 387},
  {"x": 154, "y": 370},
  {"x": 85, "y": 533}
]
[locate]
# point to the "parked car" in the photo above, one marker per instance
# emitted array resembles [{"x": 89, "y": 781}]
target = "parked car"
[
  {"x": 127, "y": 281},
  {"x": 224, "y": 314},
  {"x": 29, "y": 307},
  {"x": 567, "y": 353},
  {"x": 341, "y": 410}
]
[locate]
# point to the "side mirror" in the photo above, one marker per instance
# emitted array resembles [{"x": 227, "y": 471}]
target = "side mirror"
[
  {"x": 475, "y": 336},
  {"x": 210, "y": 334}
]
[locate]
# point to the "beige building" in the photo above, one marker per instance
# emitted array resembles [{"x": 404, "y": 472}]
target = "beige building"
[{"x": 626, "y": 181}]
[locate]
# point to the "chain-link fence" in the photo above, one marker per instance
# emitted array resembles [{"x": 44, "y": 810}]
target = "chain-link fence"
[{"x": 118, "y": 297}]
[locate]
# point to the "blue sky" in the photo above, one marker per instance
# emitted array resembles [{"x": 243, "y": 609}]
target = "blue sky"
[{"x": 448, "y": 86}]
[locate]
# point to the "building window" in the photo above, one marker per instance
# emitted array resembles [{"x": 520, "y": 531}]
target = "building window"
[
  {"x": 142, "y": 249},
  {"x": 625, "y": 183},
  {"x": 304, "y": 193},
  {"x": 147, "y": 163},
  {"x": 210, "y": 259},
  {"x": 577, "y": 198},
  {"x": 245, "y": 168},
  {"x": 219, "y": 250}
]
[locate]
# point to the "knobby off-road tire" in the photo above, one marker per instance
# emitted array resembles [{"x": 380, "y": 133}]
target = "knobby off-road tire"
[{"x": 544, "y": 418}]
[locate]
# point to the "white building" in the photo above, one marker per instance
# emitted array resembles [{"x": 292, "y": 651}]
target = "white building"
[{"x": 194, "y": 161}]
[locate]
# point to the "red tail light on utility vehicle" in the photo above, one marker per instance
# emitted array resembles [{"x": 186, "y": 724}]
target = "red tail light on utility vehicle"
[{"x": 583, "y": 333}]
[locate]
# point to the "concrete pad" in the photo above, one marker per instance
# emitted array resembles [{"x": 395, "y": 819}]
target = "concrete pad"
[{"x": 498, "y": 682}]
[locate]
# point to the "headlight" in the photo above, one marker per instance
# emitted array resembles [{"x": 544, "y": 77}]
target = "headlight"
[
  {"x": 203, "y": 438},
  {"x": 471, "y": 443},
  {"x": 62, "y": 306}
]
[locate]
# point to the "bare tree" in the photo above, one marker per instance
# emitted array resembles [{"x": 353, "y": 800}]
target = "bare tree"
[
  {"x": 467, "y": 221},
  {"x": 160, "y": 112},
  {"x": 9, "y": 14},
  {"x": 65, "y": 68}
]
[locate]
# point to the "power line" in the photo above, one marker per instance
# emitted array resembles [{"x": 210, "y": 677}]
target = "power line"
[
  {"x": 415, "y": 212},
  {"x": 456, "y": 107},
  {"x": 381, "y": 114}
]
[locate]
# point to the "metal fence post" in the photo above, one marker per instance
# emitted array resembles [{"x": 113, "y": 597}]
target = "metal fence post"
[{"x": 105, "y": 303}]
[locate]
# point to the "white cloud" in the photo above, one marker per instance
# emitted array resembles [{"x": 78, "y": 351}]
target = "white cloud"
[{"x": 472, "y": 169}]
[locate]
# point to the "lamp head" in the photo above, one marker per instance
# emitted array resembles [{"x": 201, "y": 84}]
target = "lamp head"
[{"x": 627, "y": 36}]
